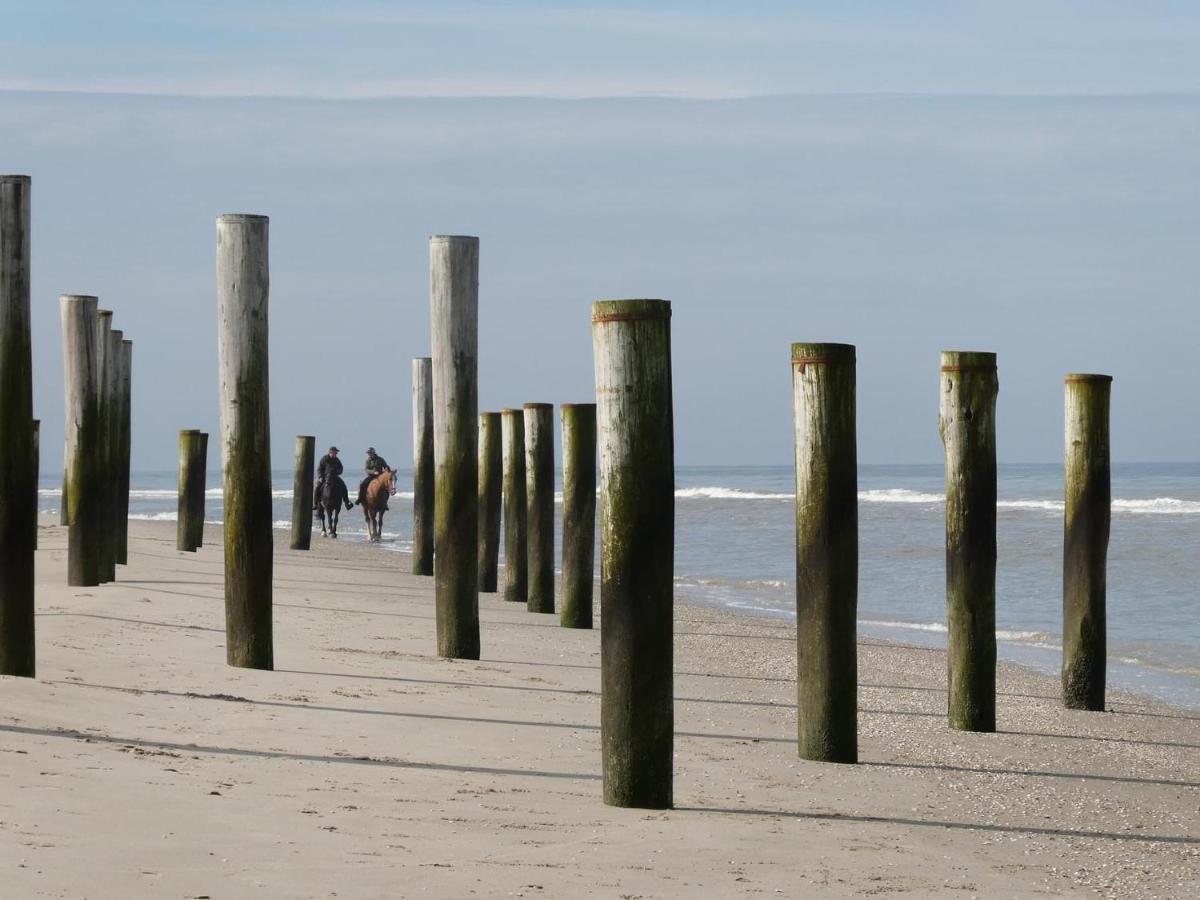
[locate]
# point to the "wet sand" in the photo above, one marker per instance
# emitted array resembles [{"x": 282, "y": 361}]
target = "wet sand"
[{"x": 138, "y": 764}]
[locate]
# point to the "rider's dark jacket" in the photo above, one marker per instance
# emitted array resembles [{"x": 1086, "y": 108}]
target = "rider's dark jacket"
[
  {"x": 375, "y": 465},
  {"x": 329, "y": 465}
]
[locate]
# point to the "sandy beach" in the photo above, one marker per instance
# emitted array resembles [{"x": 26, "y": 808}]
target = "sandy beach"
[{"x": 139, "y": 765}]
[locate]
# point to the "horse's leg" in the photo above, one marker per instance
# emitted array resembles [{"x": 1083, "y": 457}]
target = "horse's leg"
[
  {"x": 321, "y": 513},
  {"x": 333, "y": 522}
]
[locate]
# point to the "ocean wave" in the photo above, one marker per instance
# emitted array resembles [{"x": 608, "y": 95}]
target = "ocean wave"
[
  {"x": 899, "y": 495},
  {"x": 724, "y": 493},
  {"x": 154, "y": 517}
]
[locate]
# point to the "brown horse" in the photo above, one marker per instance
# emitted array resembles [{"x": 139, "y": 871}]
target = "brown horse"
[{"x": 378, "y": 492}]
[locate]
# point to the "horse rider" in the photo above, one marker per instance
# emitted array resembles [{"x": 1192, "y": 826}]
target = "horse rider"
[
  {"x": 375, "y": 465},
  {"x": 329, "y": 465}
]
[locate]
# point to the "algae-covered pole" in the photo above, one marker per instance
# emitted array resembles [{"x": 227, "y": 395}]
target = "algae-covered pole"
[
  {"x": 191, "y": 481},
  {"x": 539, "y": 502},
  {"x": 423, "y": 496},
  {"x": 967, "y": 424},
  {"x": 516, "y": 558},
  {"x": 112, "y": 394},
  {"x": 490, "y": 464},
  {"x": 125, "y": 435},
  {"x": 18, "y": 484},
  {"x": 631, "y": 341},
  {"x": 82, "y": 464},
  {"x": 579, "y": 513},
  {"x": 302, "y": 491},
  {"x": 1085, "y": 546},
  {"x": 243, "y": 285},
  {"x": 823, "y": 402},
  {"x": 454, "y": 302}
]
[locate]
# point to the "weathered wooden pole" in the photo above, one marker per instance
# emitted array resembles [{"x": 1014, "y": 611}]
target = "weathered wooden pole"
[
  {"x": 243, "y": 287},
  {"x": 823, "y": 403},
  {"x": 37, "y": 474},
  {"x": 423, "y": 485},
  {"x": 539, "y": 501},
  {"x": 302, "y": 491},
  {"x": 112, "y": 394},
  {"x": 104, "y": 489},
  {"x": 967, "y": 424},
  {"x": 18, "y": 482},
  {"x": 200, "y": 466},
  {"x": 579, "y": 513},
  {"x": 454, "y": 302},
  {"x": 83, "y": 468},
  {"x": 126, "y": 448},
  {"x": 516, "y": 544},
  {"x": 191, "y": 482},
  {"x": 1085, "y": 545},
  {"x": 631, "y": 341},
  {"x": 490, "y": 466}
]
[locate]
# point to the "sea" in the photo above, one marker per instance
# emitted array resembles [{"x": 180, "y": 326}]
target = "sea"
[{"x": 735, "y": 549}]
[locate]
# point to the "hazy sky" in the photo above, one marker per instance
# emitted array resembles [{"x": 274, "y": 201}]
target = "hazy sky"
[{"x": 1017, "y": 177}]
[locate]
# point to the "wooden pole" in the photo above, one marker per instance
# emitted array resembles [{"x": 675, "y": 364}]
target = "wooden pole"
[
  {"x": 83, "y": 465},
  {"x": 631, "y": 341},
  {"x": 968, "y": 427},
  {"x": 191, "y": 482},
  {"x": 302, "y": 491},
  {"x": 37, "y": 474},
  {"x": 104, "y": 489},
  {"x": 126, "y": 447},
  {"x": 516, "y": 543},
  {"x": 539, "y": 501},
  {"x": 423, "y": 496},
  {"x": 579, "y": 513},
  {"x": 823, "y": 402},
  {"x": 1085, "y": 545},
  {"x": 490, "y": 467},
  {"x": 200, "y": 467},
  {"x": 112, "y": 393},
  {"x": 454, "y": 301},
  {"x": 18, "y": 462},
  {"x": 243, "y": 287}
]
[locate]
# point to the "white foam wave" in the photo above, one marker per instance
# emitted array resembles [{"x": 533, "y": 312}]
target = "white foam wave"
[
  {"x": 899, "y": 495},
  {"x": 154, "y": 517},
  {"x": 1158, "y": 506},
  {"x": 724, "y": 493}
]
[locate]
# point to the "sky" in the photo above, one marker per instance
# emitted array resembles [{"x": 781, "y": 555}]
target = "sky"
[{"x": 1013, "y": 177}]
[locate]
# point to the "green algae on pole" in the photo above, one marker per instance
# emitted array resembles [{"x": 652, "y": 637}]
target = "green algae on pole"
[
  {"x": 125, "y": 434},
  {"x": 18, "y": 484},
  {"x": 82, "y": 470},
  {"x": 516, "y": 554},
  {"x": 579, "y": 513},
  {"x": 302, "y": 492},
  {"x": 823, "y": 402},
  {"x": 243, "y": 288},
  {"x": 1085, "y": 544},
  {"x": 631, "y": 342},
  {"x": 490, "y": 467},
  {"x": 967, "y": 423},
  {"x": 191, "y": 483},
  {"x": 539, "y": 503},
  {"x": 423, "y": 497},
  {"x": 454, "y": 317}
]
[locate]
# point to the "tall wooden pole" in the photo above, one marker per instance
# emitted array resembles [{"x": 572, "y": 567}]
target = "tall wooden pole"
[
  {"x": 18, "y": 484},
  {"x": 112, "y": 392},
  {"x": 126, "y": 449},
  {"x": 104, "y": 449},
  {"x": 37, "y": 474},
  {"x": 968, "y": 427},
  {"x": 302, "y": 491},
  {"x": 823, "y": 400},
  {"x": 454, "y": 302},
  {"x": 191, "y": 482},
  {"x": 631, "y": 341},
  {"x": 579, "y": 513},
  {"x": 539, "y": 501},
  {"x": 490, "y": 466},
  {"x": 1085, "y": 545},
  {"x": 423, "y": 495},
  {"x": 199, "y": 465},
  {"x": 243, "y": 286},
  {"x": 516, "y": 544},
  {"x": 83, "y": 469}
]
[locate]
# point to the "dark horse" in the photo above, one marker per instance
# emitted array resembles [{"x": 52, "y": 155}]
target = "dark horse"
[{"x": 329, "y": 503}]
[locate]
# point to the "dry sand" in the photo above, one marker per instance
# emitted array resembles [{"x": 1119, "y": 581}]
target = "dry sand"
[{"x": 139, "y": 765}]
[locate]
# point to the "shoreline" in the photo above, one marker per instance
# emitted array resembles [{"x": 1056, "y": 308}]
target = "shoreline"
[{"x": 366, "y": 766}]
